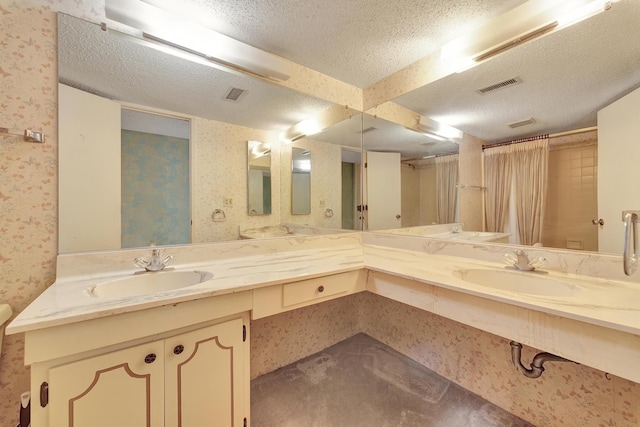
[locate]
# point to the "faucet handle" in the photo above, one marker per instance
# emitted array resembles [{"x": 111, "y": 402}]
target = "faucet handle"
[
  {"x": 141, "y": 262},
  {"x": 538, "y": 262},
  {"x": 510, "y": 260},
  {"x": 166, "y": 260}
]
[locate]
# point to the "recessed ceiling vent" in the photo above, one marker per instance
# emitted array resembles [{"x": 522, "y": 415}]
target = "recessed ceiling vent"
[
  {"x": 501, "y": 85},
  {"x": 369, "y": 129},
  {"x": 234, "y": 94},
  {"x": 521, "y": 123}
]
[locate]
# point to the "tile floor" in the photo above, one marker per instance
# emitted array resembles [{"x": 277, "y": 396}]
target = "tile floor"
[{"x": 362, "y": 382}]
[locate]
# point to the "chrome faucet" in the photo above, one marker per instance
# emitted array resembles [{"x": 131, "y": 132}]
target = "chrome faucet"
[
  {"x": 520, "y": 260},
  {"x": 156, "y": 264}
]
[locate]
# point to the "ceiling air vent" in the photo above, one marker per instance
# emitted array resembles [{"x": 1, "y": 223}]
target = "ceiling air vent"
[
  {"x": 234, "y": 94},
  {"x": 521, "y": 123},
  {"x": 369, "y": 129},
  {"x": 506, "y": 83}
]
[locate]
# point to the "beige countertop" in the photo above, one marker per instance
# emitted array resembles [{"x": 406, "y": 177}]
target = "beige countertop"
[
  {"x": 609, "y": 303},
  {"x": 68, "y": 300}
]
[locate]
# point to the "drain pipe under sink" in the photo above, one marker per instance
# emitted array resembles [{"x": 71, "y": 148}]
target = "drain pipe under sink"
[{"x": 536, "y": 366}]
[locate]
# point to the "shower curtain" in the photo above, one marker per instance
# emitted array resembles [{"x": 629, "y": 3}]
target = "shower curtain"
[
  {"x": 516, "y": 181},
  {"x": 447, "y": 186}
]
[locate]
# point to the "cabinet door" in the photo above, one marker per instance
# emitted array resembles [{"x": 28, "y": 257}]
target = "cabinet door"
[
  {"x": 123, "y": 388},
  {"x": 204, "y": 377}
]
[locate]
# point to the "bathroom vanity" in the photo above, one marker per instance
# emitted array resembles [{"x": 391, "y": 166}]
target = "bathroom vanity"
[
  {"x": 173, "y": 358},
  {"x": 187, "y": 361},
  {"x": 182, "y": 356}
]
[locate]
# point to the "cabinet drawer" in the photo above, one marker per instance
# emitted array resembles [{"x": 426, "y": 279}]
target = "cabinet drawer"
[
  {"x": 312, "y": 289},
  {"x": 289, "y": 296}
]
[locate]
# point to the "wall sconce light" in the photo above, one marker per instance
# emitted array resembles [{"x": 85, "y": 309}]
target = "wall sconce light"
[{"x": 161, "y": 26}]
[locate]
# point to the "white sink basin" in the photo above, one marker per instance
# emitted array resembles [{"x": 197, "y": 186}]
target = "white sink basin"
[
  {"x": 148, "y": 283},
  {"x": 524, "y": 282}
]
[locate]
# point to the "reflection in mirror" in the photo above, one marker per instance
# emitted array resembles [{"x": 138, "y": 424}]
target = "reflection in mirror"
[
  {"x": 300, "y": 181},
  {"x": 156, "y": 205},
  {"x": 122, "y": 71},
  {"x": 411, "y": 176},
  {"x": 259, "y": 178},
  {"x": 556, "y": 85},
  {"x": 336, "y": 179}
]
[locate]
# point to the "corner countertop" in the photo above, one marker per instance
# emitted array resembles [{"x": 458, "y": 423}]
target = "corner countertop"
[
  {"x": 608, "y": 303},
  {"x": 612, "y": 304}
]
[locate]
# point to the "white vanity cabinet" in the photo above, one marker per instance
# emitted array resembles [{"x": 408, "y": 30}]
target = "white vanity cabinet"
[
  {"x": 117, "y": 388},
  {"x": 181, "y": 365}
]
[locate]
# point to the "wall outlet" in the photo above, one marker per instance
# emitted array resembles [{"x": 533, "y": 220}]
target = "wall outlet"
[{"x": 227, "y": 202}]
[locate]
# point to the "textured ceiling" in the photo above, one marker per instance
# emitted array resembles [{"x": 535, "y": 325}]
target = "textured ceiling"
[
  {"x": 566, "y": 78},
  {"x": 119, "y": 67},
  {"x": 355, "y": 41}
]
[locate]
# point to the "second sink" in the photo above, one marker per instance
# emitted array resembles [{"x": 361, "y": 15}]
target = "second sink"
[{"x": 525, "y": 282}]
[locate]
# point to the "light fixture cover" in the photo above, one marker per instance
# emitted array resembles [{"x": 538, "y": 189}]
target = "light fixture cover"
[
  {"x": 195, "y": 38},
  {"x": 439, "y": 129}
]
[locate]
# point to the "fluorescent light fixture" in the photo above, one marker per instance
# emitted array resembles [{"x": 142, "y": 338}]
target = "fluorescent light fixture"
[
  {"x": 583, "y": 12},
  {"x": 309, "y": 127},
  {"x": 529, "y": 21},
  {"x": 161, "y": 26},
  {"x": 301, "y": 130},
  {"x": 259, "y": 149},
  {"x": 436, "y": 129},
  {"x": 302, "y": 165}
]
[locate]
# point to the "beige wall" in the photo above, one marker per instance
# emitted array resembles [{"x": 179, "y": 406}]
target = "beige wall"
[
  {"x": 572, "y": 193},
  {"x": 410, "y": 196},
  {"x": 428, "y": 194},
  {"x": 419, "y": 193},
  {"x": 326, "y": 183},
  {"x": 219, "y": 174},
  {"x": 471, "y": 199}
]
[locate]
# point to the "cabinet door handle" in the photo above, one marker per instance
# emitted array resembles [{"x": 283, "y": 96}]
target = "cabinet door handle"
[
  {"x": 150, "y": 358},
  {"x": 320, "y": 288},
  {"x": 178, "y": 349},
  {"x": 44, "y": 394}
]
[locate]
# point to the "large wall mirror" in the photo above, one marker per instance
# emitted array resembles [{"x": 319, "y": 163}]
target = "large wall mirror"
[
  {"x": 553, "y": 86},
  {"x": 223, "y": 110}
]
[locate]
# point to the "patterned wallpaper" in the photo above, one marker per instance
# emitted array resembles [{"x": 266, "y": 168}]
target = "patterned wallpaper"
[
  {"x": 220, "y": 179},
  {"x": 326, "y": 176},
  {"x": 566, "y": 395}
]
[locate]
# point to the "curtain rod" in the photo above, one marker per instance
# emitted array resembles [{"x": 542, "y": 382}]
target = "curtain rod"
[
  {"x": 538, "y": 137},
  {"x": 428, "y": 157}
]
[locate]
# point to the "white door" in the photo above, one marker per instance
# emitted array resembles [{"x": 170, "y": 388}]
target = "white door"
[
  {"x": 89, "y": 171},
  {"x": 383, "y": 190},
  {"x": 618, "y": 171}
]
